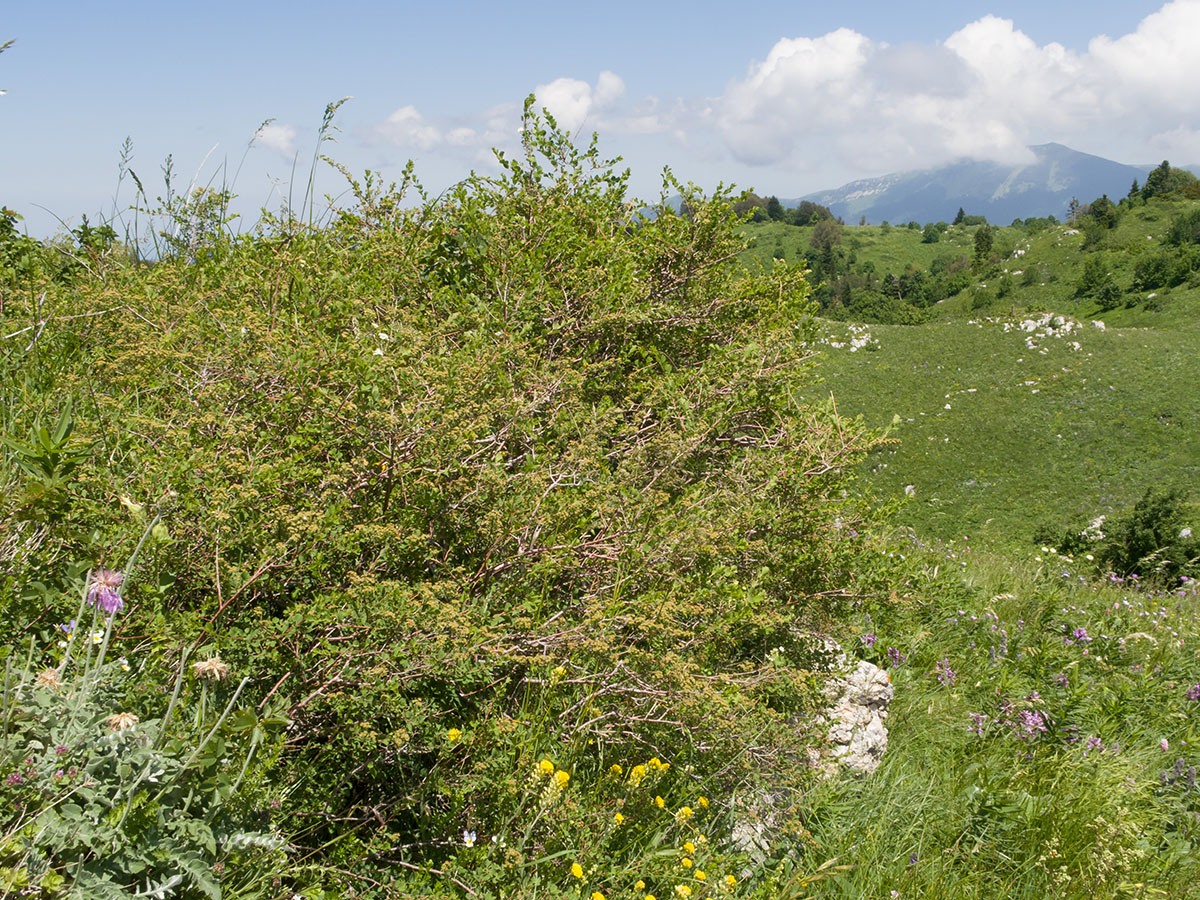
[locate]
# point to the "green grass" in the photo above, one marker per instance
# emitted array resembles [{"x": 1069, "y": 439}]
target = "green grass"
[
  {"x": 970, "y": 803},
  {"x": 997, "y": 438}
]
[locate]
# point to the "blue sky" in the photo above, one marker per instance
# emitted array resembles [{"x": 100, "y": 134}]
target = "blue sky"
[{"x": 787, "y": 98}]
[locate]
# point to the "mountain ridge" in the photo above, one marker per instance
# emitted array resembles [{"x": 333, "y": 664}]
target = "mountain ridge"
[{"x": 999, "y": 191}]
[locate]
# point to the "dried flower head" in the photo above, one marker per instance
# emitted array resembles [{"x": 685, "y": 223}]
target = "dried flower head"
[
  {"x": 104, "y": 591},
  {"x": 48, "y": 678},
  {"x": 213, "y": 669},
  {"x": 121, "y": 721}
]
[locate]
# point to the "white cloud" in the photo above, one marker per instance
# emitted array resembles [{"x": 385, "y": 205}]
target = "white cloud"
[
  {"x": 567, "y": 99},
  {"x": 407, "y": 128},
  {"x": 280, "y": 138},
  {"x": 986, "y": 92},
  {"x": 1155, "y": 67},
  {"x": 609, "y": 89}
]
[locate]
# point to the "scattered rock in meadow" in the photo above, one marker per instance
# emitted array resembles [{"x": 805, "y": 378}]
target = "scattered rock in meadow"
[{"x": 858, "y": 705}]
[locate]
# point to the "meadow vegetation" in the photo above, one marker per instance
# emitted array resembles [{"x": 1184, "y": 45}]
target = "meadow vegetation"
[{"x": 486, "y": 545}]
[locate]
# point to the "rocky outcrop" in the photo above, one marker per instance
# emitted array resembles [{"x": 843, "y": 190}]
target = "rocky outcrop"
[{"x": 857, "y": 709}]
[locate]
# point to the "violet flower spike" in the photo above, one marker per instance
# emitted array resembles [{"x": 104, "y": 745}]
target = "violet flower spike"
[{"x": 104, "y": 591}]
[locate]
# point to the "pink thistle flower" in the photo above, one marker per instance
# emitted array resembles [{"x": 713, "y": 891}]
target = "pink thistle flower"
[{"x": 104, "y": 591}]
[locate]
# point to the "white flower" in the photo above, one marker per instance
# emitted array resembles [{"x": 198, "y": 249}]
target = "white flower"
[
  {"x": 468, "y": 838},
  {"x": 377, "y": 352},
  {"x": 1186, "y": 533}
]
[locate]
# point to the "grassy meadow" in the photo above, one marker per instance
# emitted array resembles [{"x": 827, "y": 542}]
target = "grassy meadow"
[{"x": 486, "y": 546}]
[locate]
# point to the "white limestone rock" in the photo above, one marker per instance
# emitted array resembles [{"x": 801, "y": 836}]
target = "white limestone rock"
[{"x": 858, "y": 706}]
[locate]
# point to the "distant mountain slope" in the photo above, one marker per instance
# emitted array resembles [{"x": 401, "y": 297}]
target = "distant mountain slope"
[{"x": 1000, "y": 192}]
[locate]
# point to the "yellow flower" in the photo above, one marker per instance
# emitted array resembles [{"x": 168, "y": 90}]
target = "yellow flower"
[
  {"x": 730, "y": 881},
  {"x": 577, "y": 870},
  {"x": 636, "y": 774},
  {"x": 618, "y": 818},
  {"x": 562, "y": 778},
  {"x": 596, "y": 895},
  {"x": 655, "y": 763},
  {"x": 650, "y": 896},
  {"x": 700, "y": 876},
  {"x": 684, "y": 813},
  {"x": 615, "y": 769},
  {"x": 689, "y": 847},
  {"x": 686, "y": 862},
  {"x": 701, "y": 839},
  {"x": 660, "y": 802},
  {"x": 640, "y": 886},
  {"x": 560, "y": 671},
  {"x": 702, "y": 802},
  {"x": 453, "y": 735},
  {"x": 683, "y": 891},
  {"x": 546, "y": 767}
]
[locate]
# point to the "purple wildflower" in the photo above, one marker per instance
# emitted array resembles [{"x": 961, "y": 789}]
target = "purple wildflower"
[
  {"x": 13, "y": 778},
  {"x": 978, "y": 720},
  {"x": 869, "y": 639},
  {"x": 945, "y": 674},
  {"x": 1093, "y": 743},
  {"x": 1029, "y": 723},
  {"x": 895, "y": 656},
  {"x": 1194, "y": 692},
  {"x": 104, "y": 591}
]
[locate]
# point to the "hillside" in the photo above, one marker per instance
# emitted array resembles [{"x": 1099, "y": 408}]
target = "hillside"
[{"x": 1029, "y": 397}]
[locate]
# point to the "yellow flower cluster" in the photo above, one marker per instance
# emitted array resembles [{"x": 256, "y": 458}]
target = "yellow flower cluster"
[
  {"x": 453, "y": 735},
  {"x": 683, "y": 814},
  {"x": 556, "y": 780},
  {"x": 636, "y": 774}
]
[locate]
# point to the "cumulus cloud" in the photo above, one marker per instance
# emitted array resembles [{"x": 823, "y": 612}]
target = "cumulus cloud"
[
  {"x": 986, "y": 92},
  {"x": 406, "y": 127},
  {"x": 572, "y": 101},
  {"x": 280, "y": 138},
  {"x": 846, "y": 102}
]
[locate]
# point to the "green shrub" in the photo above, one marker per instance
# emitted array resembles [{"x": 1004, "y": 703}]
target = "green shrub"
[
  {"x": 516, "y": 474},
  {"x": 1154, "y": 541}
]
